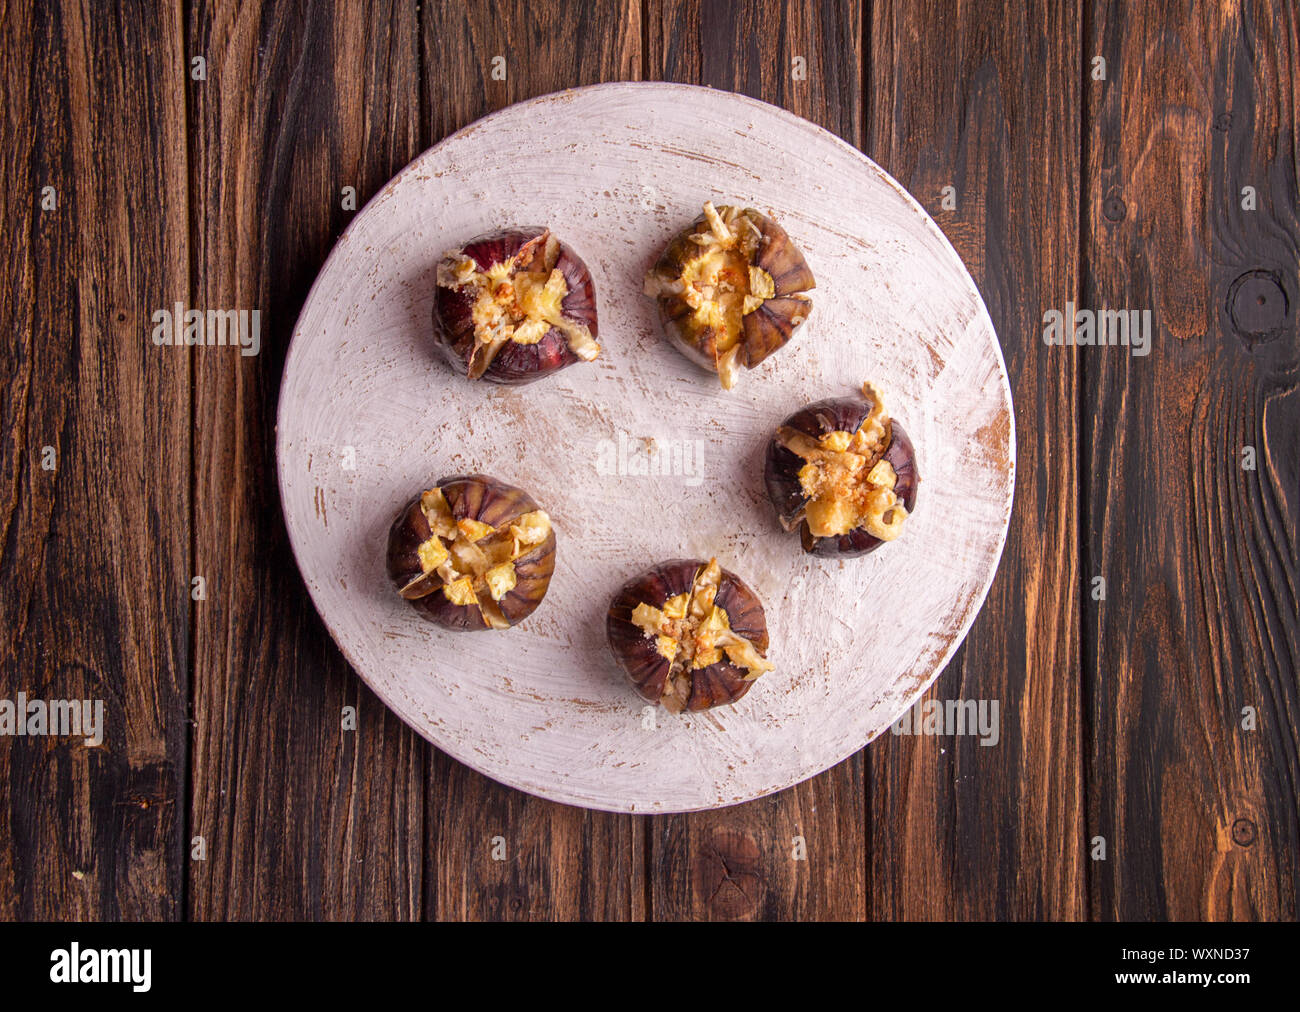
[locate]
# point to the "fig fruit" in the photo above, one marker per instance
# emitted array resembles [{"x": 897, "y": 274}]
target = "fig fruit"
[
  {"x": 688, "y": 634},
  {"x": 730, "y": 289},
  {"x": 843, "y": 473},
  {"x": 515, "y": 305},
  {"x": 472, "y": 553}
]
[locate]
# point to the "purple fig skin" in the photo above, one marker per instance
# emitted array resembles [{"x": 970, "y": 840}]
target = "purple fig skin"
[
  {"x": 487, "y": 500},
  {"x": 781, "y": 472},
  {"x": 409, "y": 531},
  {"x": 515, "y": 364},
  {"x": 715, "y": 685}
]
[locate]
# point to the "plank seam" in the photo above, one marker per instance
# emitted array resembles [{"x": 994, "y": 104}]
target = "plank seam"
[
  {"x": 1083, "y": 453},
  {"x": 186, "y": 10}
]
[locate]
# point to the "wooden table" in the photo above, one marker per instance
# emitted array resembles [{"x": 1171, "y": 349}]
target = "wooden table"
[{"x": 200, "y": 154}]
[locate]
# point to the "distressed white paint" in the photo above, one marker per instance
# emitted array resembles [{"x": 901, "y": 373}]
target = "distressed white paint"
[{"x": 541, "y": 706}]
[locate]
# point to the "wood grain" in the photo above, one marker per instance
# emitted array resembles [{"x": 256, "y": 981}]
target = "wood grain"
[
  {"x": 302, "y": 819},
  {"x": 1125, "y": 723},
  {"x": 985, "y": 100},
  {"x": 741, "y": 863},
  {"x": 482, "y": 57},
  {"x": 1200, "y": 618},
  {"x": 93, "y": 575},
  {"x": 560, "y": 863}
]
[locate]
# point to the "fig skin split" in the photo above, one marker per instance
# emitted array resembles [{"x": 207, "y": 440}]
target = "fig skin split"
[
  {"x": 715, "y": 685},
  {"x": 782, "y": 466},
  {"x": 486, "y": 500},
  {"x": 515, "y": 364},
  {"x": 765, "y": 329}
]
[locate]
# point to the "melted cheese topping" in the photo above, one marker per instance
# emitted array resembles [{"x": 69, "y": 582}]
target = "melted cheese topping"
[
  {"x": 720, "y": 285},
  {"x": 511, "y": 305},
  {"x": 847, "y": 483},
  {"x": 474, "y": 561},
  {"x": 716, "y": 286},
  {"x": 692, "y": 632}
]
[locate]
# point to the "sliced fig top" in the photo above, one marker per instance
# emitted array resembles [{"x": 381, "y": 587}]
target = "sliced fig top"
[
  {"x": 472, "y": 553},
  {"x": 843, "y": 473},
  {"x": 515, "y": 305},
  {"x": 689, "y": 634},
  {"x": 730, "y": 289}
]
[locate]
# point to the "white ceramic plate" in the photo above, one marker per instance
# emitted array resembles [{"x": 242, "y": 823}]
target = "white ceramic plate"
[{"x": 369, "y": 415}]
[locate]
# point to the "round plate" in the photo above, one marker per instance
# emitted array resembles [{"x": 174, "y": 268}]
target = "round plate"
[{"x": 641, "y": 457}]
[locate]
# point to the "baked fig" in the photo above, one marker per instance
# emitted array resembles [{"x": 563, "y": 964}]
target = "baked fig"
[
  {"x": 515, "y": 305},
  {"x": 472, "y": 553},
  {"x": 843, "y": 473},
  {"x": 688, "y": 634},
  {"x": 730, "y": 289}
]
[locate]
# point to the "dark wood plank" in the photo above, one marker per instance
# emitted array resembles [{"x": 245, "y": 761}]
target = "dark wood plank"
[
  {"x": 554, "y": 862},
  {"x": 739, "y": 863},
  {"x": 302, "y": 819},
  {"x": 93, "y": 573},
  {"x": 541, "y": 48},
  {"x": 1199, "y": 554},
  {"x": 560, "y": 863},
  {"x": 749, "y": 47},
  {"x": 985, "y": 99}
]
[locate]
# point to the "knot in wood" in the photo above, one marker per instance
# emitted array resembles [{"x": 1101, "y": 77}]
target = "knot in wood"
[
  {"x": 1258, "y": 306},
  {"x": 728, "y": 874}
]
